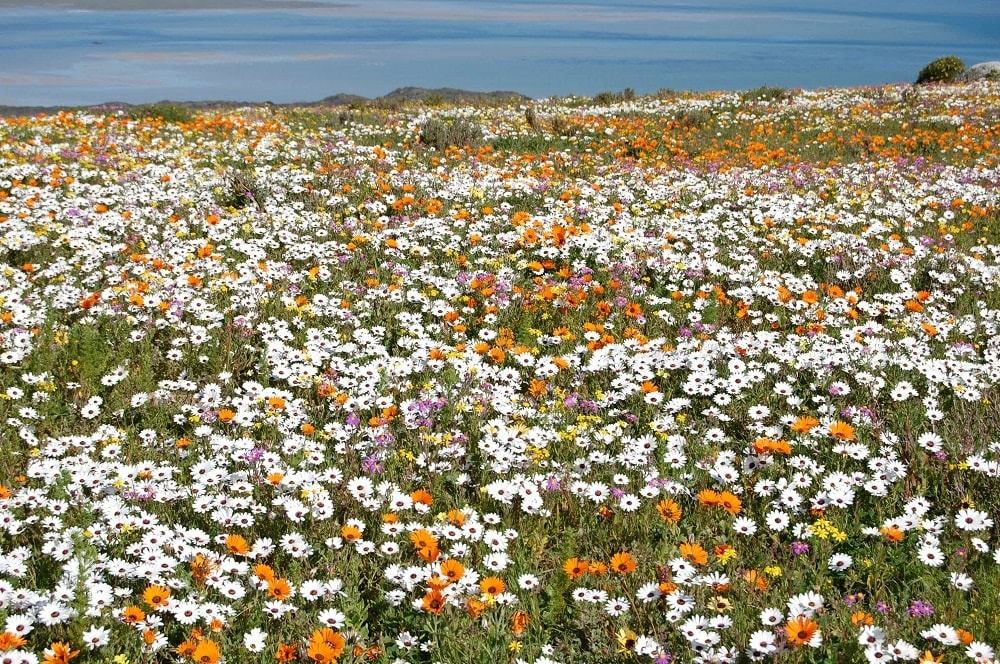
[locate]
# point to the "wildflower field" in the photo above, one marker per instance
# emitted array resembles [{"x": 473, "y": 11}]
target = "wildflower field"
[{"x": 680, "y": 378}]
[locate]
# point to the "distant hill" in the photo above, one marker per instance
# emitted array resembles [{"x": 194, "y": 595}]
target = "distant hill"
[
  {"x": 448, "y": 94},
  {"x": 339, "y": 99},
  {"x": 408, "y": 94}
]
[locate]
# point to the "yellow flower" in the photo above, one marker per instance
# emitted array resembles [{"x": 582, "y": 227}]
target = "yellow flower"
[
  {"x": 823, "y": 530},
  {"x": 772, "y": 571},
  {"x": 727, "y": 555},
  {"x": 514, "y": 646},
  {"x": 626, "y": 639},
  {"x": 721, "y": 604}
]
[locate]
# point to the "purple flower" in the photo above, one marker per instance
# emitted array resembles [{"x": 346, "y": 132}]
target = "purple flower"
[
  {"x": 371, "y": 466},
  {"x": 798, "y": 548},
  {"x": 254, "y": 455},
  {"x": 920, "y": 609}
]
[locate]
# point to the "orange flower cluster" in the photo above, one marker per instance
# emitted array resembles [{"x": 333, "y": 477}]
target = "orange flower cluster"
[{"x": 725, "y": 500}]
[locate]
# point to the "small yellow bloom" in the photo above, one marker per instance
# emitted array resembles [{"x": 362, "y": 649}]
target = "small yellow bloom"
[
  {"x": 721, "y": 604},
  {"x": 626, "y": 639},
  {"x": 727, "y": 555}
]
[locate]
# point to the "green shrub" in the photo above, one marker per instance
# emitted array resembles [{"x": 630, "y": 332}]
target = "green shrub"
[
  {"x": 531, "y": 117},
  {"x": 563, "y": 126},
  {"x": 942, "y": 70},
  {"x": 241, "y": 190},
  {"x": 163, "y": 110},
  {"x": 767, "y": 93},
  {"x": 628, "y": 94},
  {"x": 440, "y": 134},
  {"x": 695, "y": 118}
]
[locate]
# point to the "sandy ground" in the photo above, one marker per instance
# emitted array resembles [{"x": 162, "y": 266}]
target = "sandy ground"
[{"x": 163, "y": 5}]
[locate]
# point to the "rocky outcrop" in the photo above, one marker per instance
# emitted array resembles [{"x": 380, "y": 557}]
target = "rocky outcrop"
[{"x": 983, "y": 70}]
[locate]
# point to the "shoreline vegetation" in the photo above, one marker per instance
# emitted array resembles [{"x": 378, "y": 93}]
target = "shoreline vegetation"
[{"x": 397, "y": 97}]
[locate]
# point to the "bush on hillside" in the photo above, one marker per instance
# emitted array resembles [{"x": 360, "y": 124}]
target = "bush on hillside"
[
  {"x": 767, "y": 93},
  {"x": 942, "y": 70},
  {"x": 607, "y": 97},
  {"x": 441, "y": 134},
  {"x": 241, "y": 189},
  {"x": 163, "y": 111}
]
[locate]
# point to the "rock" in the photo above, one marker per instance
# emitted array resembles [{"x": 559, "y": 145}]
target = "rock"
[{"x": 983, "y": 70}]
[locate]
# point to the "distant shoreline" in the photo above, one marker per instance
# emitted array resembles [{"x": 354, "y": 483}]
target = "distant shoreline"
[
  {"x": 395, "y": 99},
  {"x": 397, "y": 96}
]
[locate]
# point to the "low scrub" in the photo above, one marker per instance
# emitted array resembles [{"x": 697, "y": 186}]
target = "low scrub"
[
  {"x": 441, "y": 134},
  {"x": 162, "y": 111},
  {"x": 942, "y": 70}
]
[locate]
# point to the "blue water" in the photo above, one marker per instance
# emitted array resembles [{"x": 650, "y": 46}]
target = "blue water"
[{"x": 536, "y": 47}]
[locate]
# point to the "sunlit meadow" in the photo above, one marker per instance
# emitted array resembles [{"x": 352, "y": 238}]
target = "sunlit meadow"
[{"x": 679, "y": 378}]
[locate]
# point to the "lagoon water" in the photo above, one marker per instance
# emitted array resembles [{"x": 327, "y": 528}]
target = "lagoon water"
[{"x": 91, "y": 52}]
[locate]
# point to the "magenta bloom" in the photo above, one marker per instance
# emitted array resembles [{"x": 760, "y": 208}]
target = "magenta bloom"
[{"x": 920, "y": 609}]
